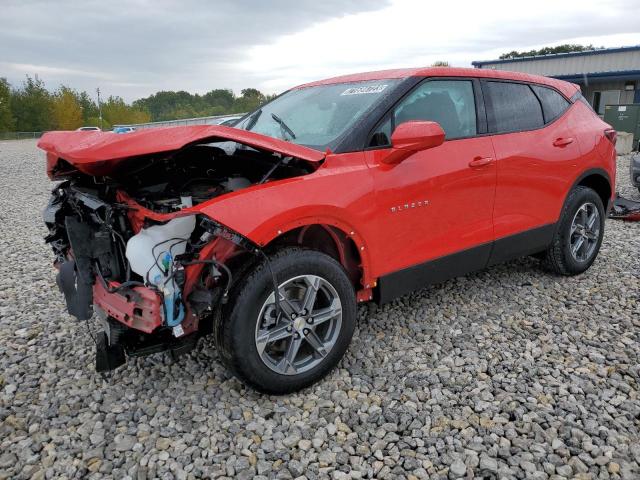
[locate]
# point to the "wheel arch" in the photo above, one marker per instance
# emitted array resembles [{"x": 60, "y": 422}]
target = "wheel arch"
[
  {"x": 598, "y": 180},
  {"x": 334, "y": 238}
]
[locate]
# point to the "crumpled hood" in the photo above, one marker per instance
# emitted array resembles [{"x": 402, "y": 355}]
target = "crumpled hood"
[{"x": 97, "y": 153}]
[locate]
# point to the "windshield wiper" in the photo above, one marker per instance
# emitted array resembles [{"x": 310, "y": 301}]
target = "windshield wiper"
[
  {"x": 283, "y": 125},
  {"x": 253, "y": 119}
]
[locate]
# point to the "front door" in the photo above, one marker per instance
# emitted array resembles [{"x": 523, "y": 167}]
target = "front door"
[{"x": 438, "y": 202}]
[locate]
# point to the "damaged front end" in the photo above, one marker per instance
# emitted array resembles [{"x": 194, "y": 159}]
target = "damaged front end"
[{"x": 132, "y": 246}]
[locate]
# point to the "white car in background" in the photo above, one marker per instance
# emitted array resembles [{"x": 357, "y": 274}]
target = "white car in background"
[
  {"x": 88, "y": 129},
  {"x": 229, "y": 121}
]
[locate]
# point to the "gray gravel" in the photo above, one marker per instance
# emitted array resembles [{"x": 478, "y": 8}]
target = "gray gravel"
[{"x": 510, "y": 373}]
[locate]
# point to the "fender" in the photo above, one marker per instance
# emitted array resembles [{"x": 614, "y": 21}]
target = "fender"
[
  {"x": 274, "y": 227},
  {"x": 265, "y": 212},
  {"x": 594, "y": 171},
  {"x": 578, "y": 180}
]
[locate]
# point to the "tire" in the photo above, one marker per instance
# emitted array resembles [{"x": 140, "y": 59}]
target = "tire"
[
  {"x": 581, "y": 205},
  {"x": 249, "y": 323}
]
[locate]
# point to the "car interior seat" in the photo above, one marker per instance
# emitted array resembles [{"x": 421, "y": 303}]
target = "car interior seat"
[{"x": 434, "y": 106}]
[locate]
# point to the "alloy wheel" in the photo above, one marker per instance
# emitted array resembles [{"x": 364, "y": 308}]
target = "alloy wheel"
[
  {"x": 301, "y": 335},
  {"x": 585, "y": 232}
]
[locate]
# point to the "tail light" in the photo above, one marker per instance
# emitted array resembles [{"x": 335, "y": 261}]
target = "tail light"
[{"x": 611, "y": 134}]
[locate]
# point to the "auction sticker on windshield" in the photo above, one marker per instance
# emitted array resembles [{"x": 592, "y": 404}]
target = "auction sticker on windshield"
[{"x": 364, "y": 89}]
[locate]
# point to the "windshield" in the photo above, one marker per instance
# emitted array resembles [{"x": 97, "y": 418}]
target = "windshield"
[{"x": 317, "y": 116}]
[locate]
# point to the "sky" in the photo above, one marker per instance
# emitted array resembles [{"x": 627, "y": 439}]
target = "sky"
[{"x": 138, "y": 47}]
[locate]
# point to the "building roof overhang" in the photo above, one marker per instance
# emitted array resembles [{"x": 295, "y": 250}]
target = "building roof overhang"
[{"x": 600, "y": 76}]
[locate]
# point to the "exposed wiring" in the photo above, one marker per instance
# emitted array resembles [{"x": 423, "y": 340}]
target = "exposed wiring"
[
  {"x": 216, "y": 263},
  {"x": 128, "y": 284},
  {"x": 250, "y": 246},
  {"x": 155, "y": 258},
  {"x": 91, "y": 333}
]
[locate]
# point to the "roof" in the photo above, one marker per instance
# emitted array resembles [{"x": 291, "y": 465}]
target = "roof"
[
  {"x": 566, "y": 88},
  {"x": 600, "y": 51}
]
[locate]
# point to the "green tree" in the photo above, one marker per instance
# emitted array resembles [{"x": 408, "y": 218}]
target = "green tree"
[
  {"x": 250, "y": 99},
  {"x": 565, "y": 48},
  {"x": 219, "y": 98},
  {"x": 89, "y": 107},
  {"x": 95, "y": 122},
  {"x": 116, "y": 112},
  {"x": 170, "y": 105},
  {"x": 32, "y": 106},
  {"x": 7, "y": 123},
  {"x": 67, "y": 111}
]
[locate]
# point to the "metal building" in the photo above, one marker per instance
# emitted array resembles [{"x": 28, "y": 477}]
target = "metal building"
[{"x": 609, "y": 76}]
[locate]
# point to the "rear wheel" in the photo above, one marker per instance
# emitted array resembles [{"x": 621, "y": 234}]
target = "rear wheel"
[
  {"x": 579, "y": 235},
  {"x": 279, "y": 351}
]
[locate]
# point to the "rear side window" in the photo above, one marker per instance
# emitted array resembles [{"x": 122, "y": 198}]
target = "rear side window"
[
  {"x": 553, "y": 104},
  {"x": 584, "y": 101},
  {"x": 514, "y": 107}
]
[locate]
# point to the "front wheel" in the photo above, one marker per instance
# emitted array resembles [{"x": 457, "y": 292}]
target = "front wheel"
[
  {"x": 280, "y": 349},
  {"x": 579, "y": 234}
]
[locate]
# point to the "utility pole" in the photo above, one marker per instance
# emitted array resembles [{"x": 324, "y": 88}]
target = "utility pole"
[{"x": 99, "y": 107}]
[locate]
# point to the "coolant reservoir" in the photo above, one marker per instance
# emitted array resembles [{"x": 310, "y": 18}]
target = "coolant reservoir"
[{"x": 151, "y": 253}]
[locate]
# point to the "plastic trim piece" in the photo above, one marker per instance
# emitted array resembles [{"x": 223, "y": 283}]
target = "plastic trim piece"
[{"x": 461, "y": 263}]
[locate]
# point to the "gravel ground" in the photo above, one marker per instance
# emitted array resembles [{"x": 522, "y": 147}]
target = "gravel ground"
[{"x": 507, "y": 373}]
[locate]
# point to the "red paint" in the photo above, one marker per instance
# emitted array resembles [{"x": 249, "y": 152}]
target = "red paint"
[
  {"x": 568, "y": 89},
  {"x": 442, "y": 205},
  {"x": 97, "y": 153},
  {"x": 411, "y": 137},
  {"x": 400, "y": 206}
]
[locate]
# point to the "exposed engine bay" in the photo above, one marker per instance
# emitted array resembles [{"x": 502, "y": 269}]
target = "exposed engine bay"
[
  {"x": 130, "y": 247},
  {"x": 201, "y": 172}
]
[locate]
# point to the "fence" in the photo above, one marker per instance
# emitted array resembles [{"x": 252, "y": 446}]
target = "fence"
[
  {"x": 213, "y": 120},
  {"x": 19, "y": 135}
]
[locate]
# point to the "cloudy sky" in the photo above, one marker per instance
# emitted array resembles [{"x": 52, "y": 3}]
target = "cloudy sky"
[{"x": 138, "y": 47}]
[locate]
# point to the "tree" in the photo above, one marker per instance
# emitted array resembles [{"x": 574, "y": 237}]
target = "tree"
[
  {"x": 566, "y": 48},
  {"x": 95, "y": 122},
  {"x": 167, "y": 105},
  {"x": 67, "y": 111},
  {"x": 116, "y": 112},
  {"x": 32, "y": 106},
  {"x": 219, "y": 98},
  {"x": 7, "y": 123},
  {"x": 249, "y": 100},
  {"x": 89, "y": 107}
]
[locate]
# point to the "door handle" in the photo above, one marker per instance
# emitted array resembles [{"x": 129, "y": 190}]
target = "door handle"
[
  {"x": 481, "y": 161},
  {"x": 562, "y": 142}
]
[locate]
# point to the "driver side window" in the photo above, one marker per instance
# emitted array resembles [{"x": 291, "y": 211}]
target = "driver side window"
[{"x": 451, "y": 103}]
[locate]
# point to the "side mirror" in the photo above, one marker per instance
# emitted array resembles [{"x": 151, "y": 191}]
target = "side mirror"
[{"x": 411, "y": 137}]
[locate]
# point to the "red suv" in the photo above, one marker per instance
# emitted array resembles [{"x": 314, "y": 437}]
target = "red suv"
[{"x": 357, "y": 188}]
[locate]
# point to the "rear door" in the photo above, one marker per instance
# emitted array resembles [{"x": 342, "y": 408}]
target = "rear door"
[
  {"x": 438, "y": 201},
  {"x": 536, "y": 153}
]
